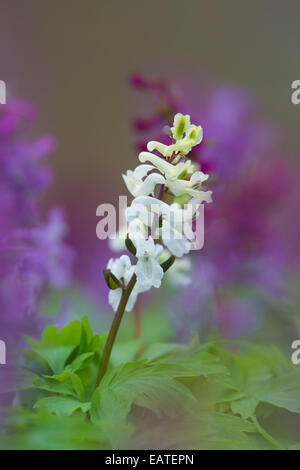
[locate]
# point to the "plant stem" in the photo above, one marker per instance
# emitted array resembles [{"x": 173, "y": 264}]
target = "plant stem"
[
  {"x": 114, "y": 329},
  {"x": 266, "y": 435}
]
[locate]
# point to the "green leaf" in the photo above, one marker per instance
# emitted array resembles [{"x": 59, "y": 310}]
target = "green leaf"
[
  {"x": 141, "y": 384},
  {"x": 283, "y": 392},
  {"x": 155, "y": 350},
  {"x": 245, "y": 407},
  {"x": 55, "y": 387},
  {"x": 190, "y": 363},
  {"x": 61, "y": 405},
  {"x": 49, "y": 335},
  {"x": 81, "y": 361},
  {"x": 124, "y": 351},
  {"x": 56, "y": 357}
]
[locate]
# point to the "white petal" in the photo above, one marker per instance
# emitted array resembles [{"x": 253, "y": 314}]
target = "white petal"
[
  {"x": 145, "y": 247},
  {"x": 174, "y": 240},
  {"x": 198, "y": 177},
  {"x": 131, "y": 301},
  {"x": 114, "y": 298},
  {"x": 141, "y": 171},
  {"x": 160, "y": 163},
  {"x": 149, "y": 273},
  {"x": 165, "y": 150},
  {"x": 131, "y": 183},
  {"x": 147, "y": 186},
  {"x": 201, "y": 196},
  {"x": 177, "y": 187}
]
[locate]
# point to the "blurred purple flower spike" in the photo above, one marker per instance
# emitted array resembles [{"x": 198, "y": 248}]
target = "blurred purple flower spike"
[
  {"x": 22, "y": 173},
  {"x": 233, "y": 135},
  {"x": 11, "y": 115},
  {"x": 33, "y": 255}
]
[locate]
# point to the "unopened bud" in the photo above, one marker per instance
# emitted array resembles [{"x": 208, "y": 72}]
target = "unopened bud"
[
  {"x": 168, "y": 263},
  {"x": 130, "y": 246},
  {"x": 111, "y": 280}
]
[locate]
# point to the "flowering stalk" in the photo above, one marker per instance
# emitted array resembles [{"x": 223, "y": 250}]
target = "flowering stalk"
[
  {"x": 156, "y": 221},
  {"x": 114, "y": 329}
]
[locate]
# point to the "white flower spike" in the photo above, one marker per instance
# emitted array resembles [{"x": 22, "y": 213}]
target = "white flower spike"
[
  {"x": 157, "y": 225},
  {"x": 155, "y": 215}
]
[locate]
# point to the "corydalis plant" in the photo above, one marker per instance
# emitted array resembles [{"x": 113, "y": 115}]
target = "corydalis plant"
[{"x": 155, "y": 220}]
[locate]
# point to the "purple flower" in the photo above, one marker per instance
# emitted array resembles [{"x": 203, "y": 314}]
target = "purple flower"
[
  {"x": 23, "y": 176},
  {"x": 33, "y": 255}
]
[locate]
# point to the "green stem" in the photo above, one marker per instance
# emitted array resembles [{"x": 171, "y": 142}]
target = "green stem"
[
  {"x": 114, "y": 329},
  {"x": 266, "y": 435}
]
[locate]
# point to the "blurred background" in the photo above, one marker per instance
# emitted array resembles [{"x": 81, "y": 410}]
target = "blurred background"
[
  {"x": 104, "y": 78},
  {"x": 72, "y": 60}
]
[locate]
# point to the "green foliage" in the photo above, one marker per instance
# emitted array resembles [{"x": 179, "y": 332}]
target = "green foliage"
[{"x": 165, "y": 395}]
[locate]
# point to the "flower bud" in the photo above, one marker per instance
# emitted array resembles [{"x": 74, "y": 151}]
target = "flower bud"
[
  {"x": 111, "y": 280},
  {"x": 130, "y": 246},
  {"x": 168, "y": 263}
]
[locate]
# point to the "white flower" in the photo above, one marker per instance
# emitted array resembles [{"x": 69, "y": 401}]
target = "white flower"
[
  {"x": 148, "y": 270},
  {"x": 181, "y": 186},
  {"x": 172, "y": 221},
  {"x": 168, "y": 169},
  {"x": 144, "y": 210},
  {"x": 139, "y": 183},
  {"x": 186, "y": 135},
  {"x": 123, "y": 270},
  {"x": 175, "y": 177}
]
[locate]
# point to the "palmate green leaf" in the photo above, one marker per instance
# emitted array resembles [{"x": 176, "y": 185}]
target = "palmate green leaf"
[
  {"x": 245, "y": 407},
  {"x": 74, "y": 347},
  {"x": 76, "y": 333},
  {"x": 61, "y": 405},
  {"x": 203, "y": 430},
  {"x": 283, "y": 392},
  {"x": 231, "y": 426},
  {"x": 54, "y": 387},
  {"x": 157, "y": 350},
  {"x": 141, "y": 384},
  {"x": 71, "y": 385},
  {"x": 81, "y": 361},
  {"x": 46, "y": 431},
  {"x": 59, "y": 377},
  {"x": 255, "y": 378},
  {"x": 125, "y": 351},
  {"x": 55, "y": 357},
  {"x": 181, "y": 361},
  {"x": 207, "y": 395}
]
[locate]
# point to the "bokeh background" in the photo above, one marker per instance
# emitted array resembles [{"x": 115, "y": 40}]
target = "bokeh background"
[
  {"x": 72, "y": 59},
  {"x": 228, "y": 64}
]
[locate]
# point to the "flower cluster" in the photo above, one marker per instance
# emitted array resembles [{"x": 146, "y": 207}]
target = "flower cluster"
[{"x": 167, "y": 191}]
